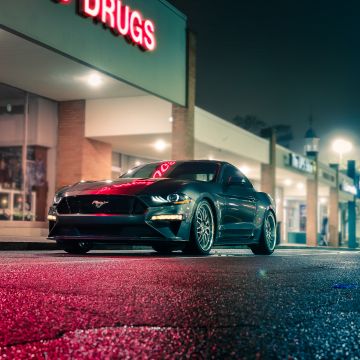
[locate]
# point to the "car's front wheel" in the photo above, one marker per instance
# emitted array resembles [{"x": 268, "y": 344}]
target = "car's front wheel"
[
  {"x": 75, "y": 246},
  {"x": 202, "y": 230},
  {"x": 267, "y": 241}
]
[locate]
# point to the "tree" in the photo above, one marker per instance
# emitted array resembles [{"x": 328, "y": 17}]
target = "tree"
[
  {"x": 250, "y": 123},
  {"x": 255, "y": 125}
]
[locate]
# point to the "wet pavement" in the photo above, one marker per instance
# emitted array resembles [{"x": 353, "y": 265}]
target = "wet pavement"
[{"x": 300, "y": 304}]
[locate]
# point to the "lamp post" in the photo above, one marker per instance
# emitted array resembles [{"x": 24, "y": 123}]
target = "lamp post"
[{"x": 341, "y": 147}]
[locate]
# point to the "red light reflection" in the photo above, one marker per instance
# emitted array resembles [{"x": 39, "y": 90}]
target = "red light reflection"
[{"x": 162, "y": 169}]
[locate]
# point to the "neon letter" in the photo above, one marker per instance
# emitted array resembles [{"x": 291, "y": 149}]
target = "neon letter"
[
  {"x": 108, "y": 12},
  {"x": 122, "y": 19},
  {"x": 149, "y": 38},
  {"x": 91, "y": 8},
  {"x": 136, "y": 30}
]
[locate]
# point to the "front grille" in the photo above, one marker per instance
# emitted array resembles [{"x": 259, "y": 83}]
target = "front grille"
[
  {"x": 101, "y": 204},
  {"x": 103, "y": 230}
]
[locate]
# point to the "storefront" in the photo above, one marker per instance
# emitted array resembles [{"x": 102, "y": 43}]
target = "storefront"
[
  {"x": 90, "y": 93},
  {"x": 78, "y": 51},
  {"x": 293, "y": 171}
]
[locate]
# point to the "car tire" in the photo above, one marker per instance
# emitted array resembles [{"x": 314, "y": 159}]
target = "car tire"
[
  {"x": 75, "y": 247},
  {"x": 165, "y": 248},
  {"x": 267, "y": 243},
  {"x": 202, "y": 233}
]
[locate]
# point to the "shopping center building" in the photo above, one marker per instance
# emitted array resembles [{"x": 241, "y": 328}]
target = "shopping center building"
[{"x": 89, "y": 89}]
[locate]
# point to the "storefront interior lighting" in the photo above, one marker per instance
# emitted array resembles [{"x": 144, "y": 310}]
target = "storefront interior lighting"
[
  {"x": 160, "y": 145},
  {"x": 288, "y": 182},
  {"x": 300, "y": 186},
  {"x": 171, "y": 119}
]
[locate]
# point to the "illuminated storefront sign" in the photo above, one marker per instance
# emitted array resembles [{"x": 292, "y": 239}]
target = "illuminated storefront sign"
[
  {"x": 121, "y": 19},
  {"x": 301, "y": 163},
  {"x": 348, "y": 188}
]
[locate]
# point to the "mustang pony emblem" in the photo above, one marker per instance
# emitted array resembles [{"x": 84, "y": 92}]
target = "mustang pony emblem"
[{"x": 99, "y": 204}]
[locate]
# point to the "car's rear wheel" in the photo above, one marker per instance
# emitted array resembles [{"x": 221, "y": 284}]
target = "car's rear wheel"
[
  {"x": 75, "y": 246},
  {"x": 202, "y": 233},
  {"x": 267, "y": 241}
]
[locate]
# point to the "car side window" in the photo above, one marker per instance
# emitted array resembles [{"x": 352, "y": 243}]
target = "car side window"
[{"x": 231, "y": 172}]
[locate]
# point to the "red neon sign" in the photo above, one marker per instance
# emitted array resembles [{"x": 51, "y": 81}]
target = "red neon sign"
[{"x": 121, "y": 19}]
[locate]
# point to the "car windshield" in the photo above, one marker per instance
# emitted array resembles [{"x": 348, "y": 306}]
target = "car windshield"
[{"x": 199, "y": 171}]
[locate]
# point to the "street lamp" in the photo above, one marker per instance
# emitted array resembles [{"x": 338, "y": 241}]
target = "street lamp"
[{"x": 341, "y": 147}]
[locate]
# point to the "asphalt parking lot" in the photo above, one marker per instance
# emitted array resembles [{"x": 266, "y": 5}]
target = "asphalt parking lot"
[{"x": 300, "y": 304}]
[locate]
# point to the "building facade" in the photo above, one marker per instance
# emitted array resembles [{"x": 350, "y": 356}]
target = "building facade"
[{"x": 88, "y": 92}]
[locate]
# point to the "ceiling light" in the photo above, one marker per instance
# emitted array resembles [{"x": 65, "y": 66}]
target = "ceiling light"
[
  {"x": 300, "y": 186},
  {"x": 288, "y": 182},
  {"x": 171, "y": 119},
  {"x": 94, "y": 80},
  {"x": 138, "y": 163},
  {"x": 160, "y": 145}
]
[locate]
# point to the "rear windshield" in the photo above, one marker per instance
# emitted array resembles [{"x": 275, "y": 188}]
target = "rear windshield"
[{"x": 199, "y": 171}]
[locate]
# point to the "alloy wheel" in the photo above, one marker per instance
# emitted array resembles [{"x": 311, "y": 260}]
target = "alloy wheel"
[
  {"x": 270, "y": 231},
  {"x": 204, "y": 229}
]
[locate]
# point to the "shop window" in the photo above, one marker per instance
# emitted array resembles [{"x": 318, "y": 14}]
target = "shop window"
[{"x": 13, "y": 204}]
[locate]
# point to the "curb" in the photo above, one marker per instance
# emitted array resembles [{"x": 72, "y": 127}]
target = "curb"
[
  {"x": 303, "y": 247},
  {"x": 20, "y": 246}
]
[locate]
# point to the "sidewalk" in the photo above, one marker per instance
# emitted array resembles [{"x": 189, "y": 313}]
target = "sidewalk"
[
  {"x": 26, "y": 243},
  {"x": 302, "y": 247}
]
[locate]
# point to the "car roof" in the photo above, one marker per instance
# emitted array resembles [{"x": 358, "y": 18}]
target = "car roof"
[{"x": 192, "y": 161}]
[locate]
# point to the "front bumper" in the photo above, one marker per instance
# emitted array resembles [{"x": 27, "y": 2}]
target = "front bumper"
[{"x": 134, "y": 229}]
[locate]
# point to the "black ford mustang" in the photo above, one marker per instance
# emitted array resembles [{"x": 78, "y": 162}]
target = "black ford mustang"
[{"x": 172, "y": 205}]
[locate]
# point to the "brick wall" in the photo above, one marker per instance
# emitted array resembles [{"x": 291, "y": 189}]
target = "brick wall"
[
  {"x": 183, "y": 117},
  {"x": 79, "y": 158}
]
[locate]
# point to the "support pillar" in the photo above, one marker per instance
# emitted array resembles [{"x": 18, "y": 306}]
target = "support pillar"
[
  {"x": 312, "y": 210},
  {"x": 351, "y": 172},
  {"x": 352, "y": 224},
  {"x": 183, "y": 147},
  {"x": 334, "y": 211},
  {"x": 268, "y": 171},
  {"x": 280, "y": 214},
  {"x": 79, "y": 158},
  {"x": 334, "y": 217}
]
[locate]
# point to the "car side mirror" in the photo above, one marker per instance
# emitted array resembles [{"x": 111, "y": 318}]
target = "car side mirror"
[{"x": 236, "y": 181}]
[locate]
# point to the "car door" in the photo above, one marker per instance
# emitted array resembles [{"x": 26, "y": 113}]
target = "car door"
[{"x": 240, "y": 205}]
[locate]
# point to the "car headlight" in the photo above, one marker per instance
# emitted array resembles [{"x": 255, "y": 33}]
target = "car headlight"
[{"x": 176, "y": 199}]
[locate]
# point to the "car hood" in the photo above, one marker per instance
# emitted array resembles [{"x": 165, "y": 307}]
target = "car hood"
[{"x": 124, "y": 187}]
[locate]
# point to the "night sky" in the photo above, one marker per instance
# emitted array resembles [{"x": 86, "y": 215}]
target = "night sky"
[{"x": 281, "y": 60}]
